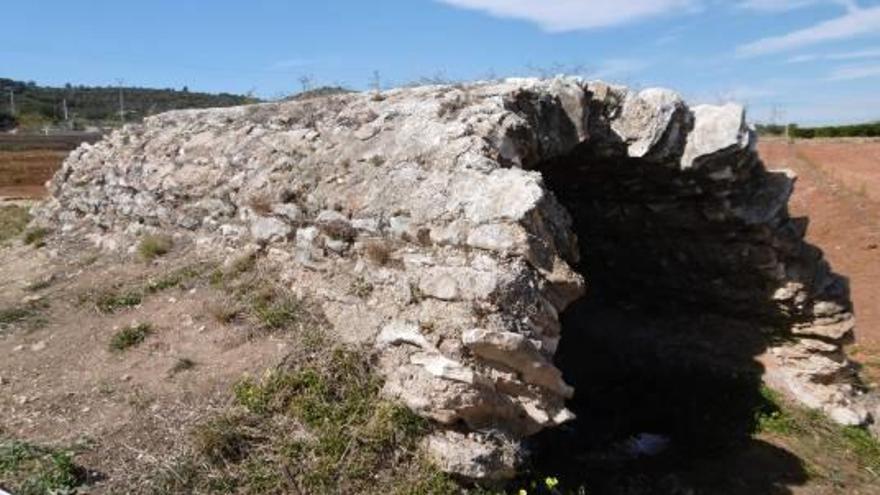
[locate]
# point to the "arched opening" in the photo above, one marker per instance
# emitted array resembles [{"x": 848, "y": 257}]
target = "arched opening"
[{"x": 663, "y": 350}]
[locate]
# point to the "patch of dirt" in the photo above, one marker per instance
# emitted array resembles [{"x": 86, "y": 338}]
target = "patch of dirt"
[
  {"x": 838, "y": 188},
  {"x": 62, "y": 385}
]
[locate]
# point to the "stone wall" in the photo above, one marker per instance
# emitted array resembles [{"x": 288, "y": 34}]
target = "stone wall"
[{"x": 447, "y": 201}]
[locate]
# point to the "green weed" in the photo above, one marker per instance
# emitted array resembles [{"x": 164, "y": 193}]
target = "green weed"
[
  {"x": 34, "y": 470},
  {"x": 111, "y": 301},
  {"x": 30, "y": 315},
  {"x": 36, "y": 237},
  {"x": 130, "y": 337},
  {"x": 320, "y": 427}
]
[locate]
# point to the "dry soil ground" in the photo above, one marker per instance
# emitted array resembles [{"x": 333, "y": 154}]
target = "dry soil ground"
[{"x": 63, "y": 384}]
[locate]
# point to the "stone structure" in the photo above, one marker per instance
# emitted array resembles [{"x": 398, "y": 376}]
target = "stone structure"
[{"x": 469, "y": 211}]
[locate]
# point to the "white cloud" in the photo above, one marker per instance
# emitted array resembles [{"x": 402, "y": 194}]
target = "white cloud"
[
  {"x": 853, "y": 72},
  {"x": 856, "y": 23},
  {"x": 856, "y": 55},
  {"x": 776, "y": 5},
  {"x": 570, "y": 15},
  {"x": 783, "y": 5}
]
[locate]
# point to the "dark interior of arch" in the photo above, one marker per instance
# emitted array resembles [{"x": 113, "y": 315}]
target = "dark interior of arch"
[{"x": 665, "y": 341}]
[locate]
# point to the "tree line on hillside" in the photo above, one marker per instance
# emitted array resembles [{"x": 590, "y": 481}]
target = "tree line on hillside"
[
  {"x": 79, "y": 106},
  {"x": 856, "y": 130}
]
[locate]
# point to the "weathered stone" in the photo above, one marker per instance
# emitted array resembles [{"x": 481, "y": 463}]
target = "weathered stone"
[
  {"x": 474, "y": 456},
  {"x": 717, "y": 130},
  {"x": 645, "y": 119},
  {"x": 517, "y": 352},
  {"x": 455, "y": 204},
  {"x": 268, "y": 229}
]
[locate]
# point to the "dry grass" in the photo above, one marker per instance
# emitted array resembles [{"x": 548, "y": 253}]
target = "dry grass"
[
  {"x": 181, "y": 365},
  {"x": 261, "y": 204},
  {"x": 339, "y": 229},
  {"x": 225, "y": 311},
  {"x": 378, "y": 252},
  {"x": 154, "y": 245},
  {"x": 317, "y": 427},
  {"x": 13, "y": 221}
]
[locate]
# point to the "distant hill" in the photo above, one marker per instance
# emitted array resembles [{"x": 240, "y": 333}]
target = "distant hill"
[{"x": 38, "y": 106}]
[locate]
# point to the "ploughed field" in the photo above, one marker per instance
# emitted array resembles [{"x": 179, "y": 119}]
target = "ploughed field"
[
  {"x": 838, "y": 188},
  {"x": 27, "y": 162}
]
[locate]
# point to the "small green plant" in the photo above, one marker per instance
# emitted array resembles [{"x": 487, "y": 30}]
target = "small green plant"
[
  {"x": 238, "y": 267},
  {"x": 275, "y": 309},
  {"x": 361, "y": 288},
  {"x": 113, "y": 301},
  {"x": 32, "y": 470},
  {"x": 770, "y": 416},
  {"x": 30, "y": 314},
  {"x": 14, "y": 315},
  {"x": 130, "y": 336},
  {"x": 153, "y": 246},
  {"x": 812, "y": 431},
  {"x": 36, "y": 237},
  {"x": 176, "y": 278},
  {"x": 865, "y": 447},
  {"x": 38, "y": 285}
]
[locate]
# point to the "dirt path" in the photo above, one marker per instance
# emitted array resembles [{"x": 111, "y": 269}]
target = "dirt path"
[{"x": 838, "y": 187}]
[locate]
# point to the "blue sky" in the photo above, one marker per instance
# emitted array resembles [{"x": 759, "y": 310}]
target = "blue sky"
[{"x": 809, "y": 61}]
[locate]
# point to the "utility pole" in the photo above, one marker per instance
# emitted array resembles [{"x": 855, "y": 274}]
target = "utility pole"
[
  {"x": 121, "y": 102},
  {"x": 64, "y": 108},
  {"x": 306, "y": 82},
  {"x": 12, "y": 101}
]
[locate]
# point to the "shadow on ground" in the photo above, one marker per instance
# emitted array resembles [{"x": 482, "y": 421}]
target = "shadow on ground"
[{"x": 690, "y": 378}]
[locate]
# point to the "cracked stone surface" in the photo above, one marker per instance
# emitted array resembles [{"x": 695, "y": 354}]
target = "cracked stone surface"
[{"x": 436, "y": 196}]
